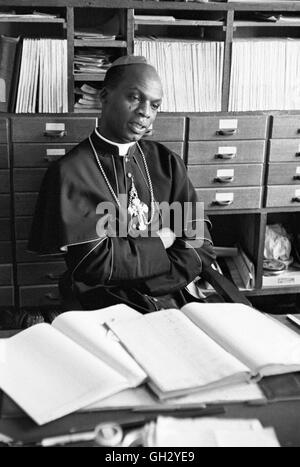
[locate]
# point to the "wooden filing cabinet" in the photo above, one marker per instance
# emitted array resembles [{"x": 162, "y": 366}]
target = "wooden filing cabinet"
[
  {"x": 283, "y": 181},
  {"x": 226, "y": 160},
  {"x": 37, "y": 142}
]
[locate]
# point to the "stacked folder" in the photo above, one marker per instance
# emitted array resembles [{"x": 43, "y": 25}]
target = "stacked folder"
[
  {"x": 191, "y": 72},
  {"x": 43, "y": 76},
  {"x": 265, "y": 75}
]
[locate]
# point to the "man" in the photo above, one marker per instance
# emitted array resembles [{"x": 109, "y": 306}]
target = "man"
[{"x": 148, "y": 264}]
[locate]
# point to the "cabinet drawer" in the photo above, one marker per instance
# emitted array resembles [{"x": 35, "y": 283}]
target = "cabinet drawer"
[
  {"x": 23, "y": 226},
  {"x": 4, "y": 161},
  {"x": 28, "y": 179},
  {"x": 41, "y": 273},
  {"x": 229, "y": 128},
  {"x": 235, "y": 198},
  {"x": 168, "y": 128},
  {"x": 6, "y": 296},
  {"x": 5, "y": 229},
  {"x": 39, "y": 155},
  {"x": 284, "y": 150},
  {"x": 217, "y": 152},
  {"x": 233, "y": 175},
  {"x": 25, "y": 203},
  {"x": 39, "y": 295},
  {"x": 4, "y": 181},
  {"x": 3, "y": 130},
  {"x": 286, "y": 126},
  {"x": 175, "y": 146},
  {"x": 283, "y": 195},
  {"x": 24, "y": 256},
  {"x": 4, "y": 205},
  {"x": 284, "y": 174},
  {"x": 6, "y": 274},
  {"x": 51, "y": 129},
  {"x": 5, "y": 251}
]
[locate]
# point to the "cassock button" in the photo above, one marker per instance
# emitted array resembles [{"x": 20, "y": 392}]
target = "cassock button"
[
  {"x": 126, "y": 159},
  {"x": 129, "y": 175}
]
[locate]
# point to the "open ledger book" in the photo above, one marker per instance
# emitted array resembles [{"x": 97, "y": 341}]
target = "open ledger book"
[{"x": 53, "y": 370}]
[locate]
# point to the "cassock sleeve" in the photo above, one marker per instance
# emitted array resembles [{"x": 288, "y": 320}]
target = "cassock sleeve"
[
  {"x": 65, "y": 212},
  {"x": 192, "y": 250}
]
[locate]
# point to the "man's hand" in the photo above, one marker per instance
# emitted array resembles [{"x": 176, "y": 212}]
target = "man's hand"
[{"x": 167, "y": 236}]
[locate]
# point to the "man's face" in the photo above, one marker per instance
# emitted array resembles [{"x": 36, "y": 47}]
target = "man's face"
[{"x": 129, "y": 109}]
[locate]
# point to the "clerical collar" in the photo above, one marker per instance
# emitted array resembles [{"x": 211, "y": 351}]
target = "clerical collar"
[{"x": 123, "y": 148}]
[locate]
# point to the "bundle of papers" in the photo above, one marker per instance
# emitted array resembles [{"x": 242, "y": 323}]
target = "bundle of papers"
[
  {"x": 191, "y": 72},
  {"x": 265, "y": 75},
  {"x": 91, "y": 61},
  {"x": 88, "y": 99}
]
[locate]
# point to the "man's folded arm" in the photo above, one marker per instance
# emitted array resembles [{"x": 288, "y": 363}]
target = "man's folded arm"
[{"x": 114, "y": 260}]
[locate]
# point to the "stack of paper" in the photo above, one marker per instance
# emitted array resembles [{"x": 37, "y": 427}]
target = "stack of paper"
[
  {"x": 210, "y": 432},
  {"x": 88, "y": 100},
  {"x": 191, "y": 72},
  {"x": 265, "y": 75}
]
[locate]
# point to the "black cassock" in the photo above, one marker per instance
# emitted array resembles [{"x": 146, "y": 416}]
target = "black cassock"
[{"x": 107, "y": 269}]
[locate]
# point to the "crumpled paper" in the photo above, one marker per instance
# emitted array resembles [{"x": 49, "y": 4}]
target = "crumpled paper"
[{"x": 277, "y": 243}]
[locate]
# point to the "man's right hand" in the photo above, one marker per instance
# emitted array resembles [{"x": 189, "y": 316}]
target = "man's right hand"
[{"x": 167, "y": 236}]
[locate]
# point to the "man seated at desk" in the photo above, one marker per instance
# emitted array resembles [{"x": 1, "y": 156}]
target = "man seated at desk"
[{"x": 114, "y": 169}]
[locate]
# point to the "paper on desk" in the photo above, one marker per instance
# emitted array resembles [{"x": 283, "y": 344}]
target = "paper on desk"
[
  {"x": 262, "y": 438},
  {"x": 210, "y": 432}
]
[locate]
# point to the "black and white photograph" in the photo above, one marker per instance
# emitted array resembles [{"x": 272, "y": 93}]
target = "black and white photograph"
[{"x": 150, "y": 226}]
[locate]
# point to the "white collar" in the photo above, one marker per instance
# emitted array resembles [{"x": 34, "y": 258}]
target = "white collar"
[{"x": 123, "y": 148}]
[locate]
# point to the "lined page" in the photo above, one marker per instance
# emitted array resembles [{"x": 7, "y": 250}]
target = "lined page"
[
  {"x": 86, "y": 328},
  {"x": 50, "y": 376},
  {"x": 177, "y": 355},
  {"x": 260, "y": 342}
]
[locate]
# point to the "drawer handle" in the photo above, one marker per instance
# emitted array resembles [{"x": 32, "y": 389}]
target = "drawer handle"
[
  {"x": 224, "y": 179},
  {"x": 296, "y": 199},
  {"x": 296, "y": 177},
  {"x": 229, "y": 132},
  {"x": 55, "y": 133},
  {"x": 53, "y": 277},
  {"x": 51, "y": 297},
  {"x": 226, "y": 202},
  {"x": 297, "y": 154},
  {"x": 225, "y": 156}
]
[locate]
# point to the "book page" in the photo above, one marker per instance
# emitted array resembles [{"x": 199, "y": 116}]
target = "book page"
[
  {"x": 266, "y": 346},
  {"x": 86, "y": 328},
  {"x": 177, "y": 356},
  {"x": 50, "y": 376}
]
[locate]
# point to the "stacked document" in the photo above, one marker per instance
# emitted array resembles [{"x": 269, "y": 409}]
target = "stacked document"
[
  {"x": 91, "y": 61},
  {"x": 191, "y": 72},
  {"x": 210, "y": 432},
  {"x": 265, "y": 75},
  {"x": 43, "y": 77},
  {"x": 88, "y": 99}
]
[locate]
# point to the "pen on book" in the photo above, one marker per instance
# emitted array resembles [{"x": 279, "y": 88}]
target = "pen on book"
[{"x": 183, "y": 411}]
